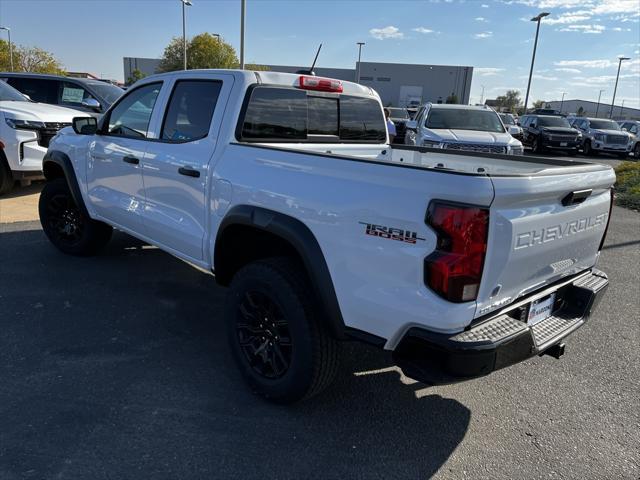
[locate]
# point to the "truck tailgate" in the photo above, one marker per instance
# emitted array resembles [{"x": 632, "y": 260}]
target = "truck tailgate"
[{"x": 540, "y": 233}]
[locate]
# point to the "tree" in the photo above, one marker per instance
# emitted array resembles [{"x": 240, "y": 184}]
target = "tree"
[
  {"x": 29, "y": 59},
  {"x": 5, "y": 58},
  {"x": 510, "y": 101},
  {"x": 255, "y": 67},
  {"x": 135, "y": 76},
  {"x": 203, "y": 51},
  {"x": 580, "y": 112},
  {"x": 538, "y": 104},
  {"x": 453, "y": 98}
]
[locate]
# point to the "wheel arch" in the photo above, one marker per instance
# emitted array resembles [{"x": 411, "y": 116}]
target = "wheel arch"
[
  {"x": 56, "y": 164},
  {"x": 248, "y": 233}
]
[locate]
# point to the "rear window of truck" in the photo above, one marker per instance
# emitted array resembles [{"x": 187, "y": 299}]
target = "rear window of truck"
[{"x": 292, "y": 115}]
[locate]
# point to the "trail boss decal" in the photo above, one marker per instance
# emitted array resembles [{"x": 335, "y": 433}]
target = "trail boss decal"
[{"x": 391, "y": 233}]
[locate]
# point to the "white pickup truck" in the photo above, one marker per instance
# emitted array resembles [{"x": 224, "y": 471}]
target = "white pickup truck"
[{"x": 284, "y": 186}]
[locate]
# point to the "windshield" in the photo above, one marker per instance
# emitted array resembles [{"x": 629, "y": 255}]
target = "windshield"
[
  {"x": 553, "y": 122},
  {"x": 604, "y": 124},
  {"x": 8, "y": 93},
  {"x": 464, "y": 119},
  {"x": 398, "y": 113},
  {"x": 507, "y": 119},
  {"x": 110, "y": 93}
]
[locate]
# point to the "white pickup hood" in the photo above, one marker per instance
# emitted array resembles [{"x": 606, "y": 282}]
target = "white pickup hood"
[
  {"x": 38, "y": 112},
  {"x": 534, "y": 239}
]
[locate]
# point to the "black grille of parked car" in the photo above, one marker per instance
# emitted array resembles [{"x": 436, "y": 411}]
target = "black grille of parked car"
[
  {"x": 563, "y": 138},
  {"x": 616, "y": 139},
  {"x": 475, "y": 147},
  {"x": 48, "y": 132}
]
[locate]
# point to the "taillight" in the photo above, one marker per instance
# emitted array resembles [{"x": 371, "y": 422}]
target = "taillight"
[
  {"x": 606, "y": 228},
  {"x": 454, "y": 270},
  {"x": 320, "y": 84}
]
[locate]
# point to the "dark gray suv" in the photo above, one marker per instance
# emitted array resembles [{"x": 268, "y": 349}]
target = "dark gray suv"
[{"x": 92, "y": 96}]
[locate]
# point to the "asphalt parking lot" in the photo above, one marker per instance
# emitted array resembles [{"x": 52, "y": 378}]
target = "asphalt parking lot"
[{"x": 116, "y": 366}]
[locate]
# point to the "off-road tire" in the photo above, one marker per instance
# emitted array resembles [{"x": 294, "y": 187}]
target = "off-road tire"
[
  {"x": 70, "y": 230},
  {"x": 6, "y": 178},
  {"x": 286, "y": 311}
]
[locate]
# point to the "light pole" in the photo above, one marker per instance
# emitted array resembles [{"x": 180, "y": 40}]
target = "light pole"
[
  {"x": 615, "y": 89},
  {"x": 562, "y": 101},
  {"x": 360, "y": 44},
  {"x": 10, "y": 46},
  {"x": 598, "y": 106},
  {"x": 533, "y": 57},
  {"x": 185, "y": 3},
  {"x": 243, "y": 7},
  {"x": 482, "y": 95},
  {"x": 622, "y": 107}
]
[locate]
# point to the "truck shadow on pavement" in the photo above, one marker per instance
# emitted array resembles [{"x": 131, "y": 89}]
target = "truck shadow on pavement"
[{"x": 117, "y": 366}]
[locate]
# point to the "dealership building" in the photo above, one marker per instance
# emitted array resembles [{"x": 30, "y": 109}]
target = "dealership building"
[
  {"x": 587, "y": 108},
  {"x": 398, "y": 84}
]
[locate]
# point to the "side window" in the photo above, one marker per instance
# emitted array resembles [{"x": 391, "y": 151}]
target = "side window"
[
  {"x": 633, "y": 129},
  {"x": 39, "y": 90},
  {"x": 73, "y": 95},
  {"x": 190, "y": 110},
  {"x": 361, "y": 119},
  {"x": 276, "y": 113},
  {"x": 131, "y": 116}
]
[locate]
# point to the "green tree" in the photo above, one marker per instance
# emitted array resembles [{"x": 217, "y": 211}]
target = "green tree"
[
  {"x": 538, "y": 104},
  {"x": 510, "y": 101},
  {"x": 36, "y": 60},
  {"x": 453, "y": 98},
  {"x": 5, "y": 58},
  {"x": 135, "y": 76},
  {"x": 580, "y": 112},
  {"x": 255, "y": 67},
  {"x": 203, "y": 51}
]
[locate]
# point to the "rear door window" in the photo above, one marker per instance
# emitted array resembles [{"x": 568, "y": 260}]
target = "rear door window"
[
  {"x": 291, "y": 115},
  {"x": 39, "y": 89},
  {"x": 190, "y": 110}
]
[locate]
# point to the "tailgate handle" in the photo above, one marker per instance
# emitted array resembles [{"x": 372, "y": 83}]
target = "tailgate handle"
[{"x": 578, "y": 196}]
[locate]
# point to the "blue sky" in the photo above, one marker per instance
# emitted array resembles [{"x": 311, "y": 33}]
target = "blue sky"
[{"x": 577, "y": 52}]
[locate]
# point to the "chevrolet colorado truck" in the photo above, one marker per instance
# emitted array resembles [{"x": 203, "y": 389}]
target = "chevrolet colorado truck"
[{"x": 286, "y": 189}]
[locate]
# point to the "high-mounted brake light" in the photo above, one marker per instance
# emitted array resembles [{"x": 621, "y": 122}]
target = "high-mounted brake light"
[
  {"x": 320, "y": 84},
  {"x": 454, "y": 270}
]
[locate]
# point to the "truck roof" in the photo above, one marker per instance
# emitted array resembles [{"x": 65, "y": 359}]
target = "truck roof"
[{"x": 272, "y": 78}]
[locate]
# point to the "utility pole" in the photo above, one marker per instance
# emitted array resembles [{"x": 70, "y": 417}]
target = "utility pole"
[
  {"x": 185, "y": 3},
  {"x": 598, "y": 106},
  {"x": 243, "y": 7},
  {"x": 482, "y": 96},
  {"x": 537, "y": 18},
  {"x": 615, "y": 89},
  {"x": 360, "y": 44},
  {"x": 562, "y": 101},
  {"x": 10, "y": 46}
]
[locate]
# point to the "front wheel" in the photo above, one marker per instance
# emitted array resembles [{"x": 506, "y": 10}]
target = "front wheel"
[
  {"x": 65, "y": 225},
  {"x": 588, "y": 151},
  {"x": 280, "y": 345},
  {"x": 636, "y": 151},
  {"x": 537, "y": 147}
]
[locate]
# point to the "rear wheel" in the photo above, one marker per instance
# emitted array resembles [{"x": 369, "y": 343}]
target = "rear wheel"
[
  {"x": 65, "y": 225},
  {"x": 537, "y": 147},
  {"x": 6, "y": 178},
  {"x": 588, "y": 151},
  {"x": 279, "y": 343}
]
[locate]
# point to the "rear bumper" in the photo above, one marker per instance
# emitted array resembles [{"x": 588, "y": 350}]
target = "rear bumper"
[{"x": 500, "y": 341}]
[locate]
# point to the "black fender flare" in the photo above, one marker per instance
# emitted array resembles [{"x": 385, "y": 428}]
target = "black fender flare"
[
  {"x": 64, "y": 162},
  {"x": 298, "y": 235}
]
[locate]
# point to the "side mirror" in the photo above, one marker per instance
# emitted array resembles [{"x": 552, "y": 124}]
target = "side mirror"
[
  {"x": 91, "y": 103},
  {"x": 625, "y": 129},
  {"x": 84, "y": 125},
  {"x": 513, "y": 130},
  {"x": 411, "y": 125},
  {"x": 534, "y": 125}
]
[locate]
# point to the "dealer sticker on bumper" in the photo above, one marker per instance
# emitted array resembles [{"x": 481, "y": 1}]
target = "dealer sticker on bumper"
[{"x": 541, "y": 309}]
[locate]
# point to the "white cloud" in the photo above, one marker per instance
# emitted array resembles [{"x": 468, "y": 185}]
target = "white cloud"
[
  {"x": 616, "y": 6},
  {"x": 569, "y": 17},
  {"x": 481, "y": 19},
  {"x": 620, "y": 29},
  {"x": 484, "y": 5},
  {"x": 422, "y": 30},
  {"x": 488, "y": 71},
  {"x": 584, "y": 63},
  {"x": 568, "y": 70},
  {"x": 584, "y": 28},
  {"x": 386, "y": 32},
  {"x": 483, "y": 35}
]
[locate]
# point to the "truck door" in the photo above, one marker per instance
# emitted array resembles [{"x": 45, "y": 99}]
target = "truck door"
[{"x": 176, "y": 166}]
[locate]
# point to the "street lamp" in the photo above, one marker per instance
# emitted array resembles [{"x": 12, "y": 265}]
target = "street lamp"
[
  {"x": 482, "y": 96},
  {"x": 615, "y": 89},
  {"x": 243, "y": 8},
  {"x": 598, "y": 106},
  {"x": 562, "y": 101},
  {"x": 360, "y": 44},
  {"x": 185, "y": 3},
  {"x": 537, "y": 18},
  {"x": 10, "y": 46}
]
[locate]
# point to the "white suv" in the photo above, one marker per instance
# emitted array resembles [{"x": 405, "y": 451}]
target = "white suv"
[
  {"x": 462, "y": 127},
  {"x": 26, "y": 128}
]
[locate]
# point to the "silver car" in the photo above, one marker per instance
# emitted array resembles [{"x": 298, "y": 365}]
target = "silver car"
[
  {"x": 463, "y": 128},
  {"x": 603, "y": 136}
]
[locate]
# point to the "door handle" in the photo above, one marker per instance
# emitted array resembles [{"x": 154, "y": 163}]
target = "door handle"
[
  {"x": 131, "y": 160},
  {"x": 189, "y": 172}
]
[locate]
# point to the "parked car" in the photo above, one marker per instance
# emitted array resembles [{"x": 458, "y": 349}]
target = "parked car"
[
  {"x": 550, "y": 132},
  {"x": 600, "y": 135},
  {"x": 458, "y": 263},
  {"x": 633, "y": 128},
  {"x": 26, "y": 128},
  {"x": 509, "y": 121},
  {"x": 462, "y": 127},
  {"x": 399, "y": 117},
  {"x": 92, "y": 96}
]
